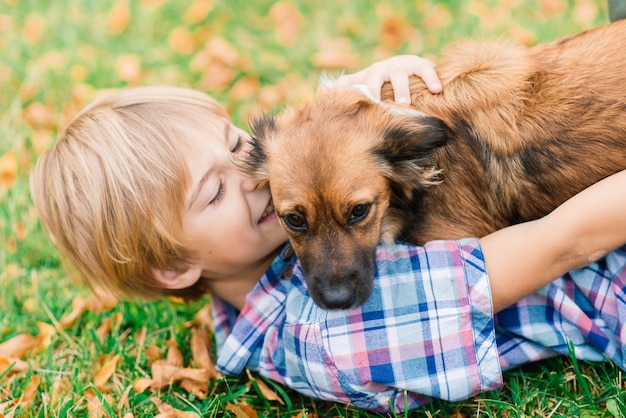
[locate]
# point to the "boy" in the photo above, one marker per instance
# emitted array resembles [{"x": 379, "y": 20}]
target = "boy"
[{"x": 142, "y": 196}]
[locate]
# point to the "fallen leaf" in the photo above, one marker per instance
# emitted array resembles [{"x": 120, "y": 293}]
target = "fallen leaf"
[
  {"x": 98, "y": 301},
  {"x": 33, "y": 29},
  {"x": 106, "y": 371},
  {"x": 16, "y": 365},
  {"x": 171, "y": 412},
  {"x": 287, "y": 22},
  {"x": 241, "y": 410},
  {"x": 104, "y": 329},
  {"x": 18, "y": 346},
  {"x": 181, "y": 41},
  {"x": 61, "y": 392},
  {"x": 8, "y": 170},
  {"x": 142, "y": 384},
  {"x": 551, "y": 8},
  {"x": 128, "y": 67},
  {"x": 267, "y": 393},
  {"x": 336, "y": 53},
  {"x": 31, "y": 390},
  {"x": 119, "y": 17},
  {"x": 174, "y": 356},
  {"x": 37, "y": 115},
  {"x": 198, "y": 11},
  {"x": 586, "y": 12}
]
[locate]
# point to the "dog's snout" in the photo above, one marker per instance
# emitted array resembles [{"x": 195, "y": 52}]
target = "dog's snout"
[{"x": 339, "y": 297}]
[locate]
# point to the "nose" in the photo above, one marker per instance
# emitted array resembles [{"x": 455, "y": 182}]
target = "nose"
[{"x": 338, "y": 297}]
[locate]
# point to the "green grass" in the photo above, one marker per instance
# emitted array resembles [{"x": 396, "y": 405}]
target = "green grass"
[{"x": 58, "y": 55}]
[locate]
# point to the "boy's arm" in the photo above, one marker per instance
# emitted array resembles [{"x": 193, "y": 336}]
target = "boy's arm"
[{"x": 524, "y": 258}]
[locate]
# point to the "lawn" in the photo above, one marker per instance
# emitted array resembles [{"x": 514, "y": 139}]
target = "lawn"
[{"x": 64, "y": 352}]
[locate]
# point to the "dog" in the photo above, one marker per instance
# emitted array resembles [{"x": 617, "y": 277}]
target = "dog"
[{"x": 516, "y": 132}]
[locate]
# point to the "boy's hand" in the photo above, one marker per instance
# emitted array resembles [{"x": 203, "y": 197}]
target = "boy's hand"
[{"x": 396, "y": 70}]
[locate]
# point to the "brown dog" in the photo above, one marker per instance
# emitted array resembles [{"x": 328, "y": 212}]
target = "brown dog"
[{"x": 516, "y": 132}]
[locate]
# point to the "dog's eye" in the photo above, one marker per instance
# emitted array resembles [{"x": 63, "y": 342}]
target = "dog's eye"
[
  {"x": 295, "y": 222},
  {"x": 359, "y": 212}
]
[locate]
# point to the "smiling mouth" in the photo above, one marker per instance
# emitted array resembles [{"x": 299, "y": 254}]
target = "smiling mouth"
[{"x": 268, "y": 211}]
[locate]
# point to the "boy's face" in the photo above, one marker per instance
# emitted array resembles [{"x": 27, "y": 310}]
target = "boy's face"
[{"x": 229, "y": 223}]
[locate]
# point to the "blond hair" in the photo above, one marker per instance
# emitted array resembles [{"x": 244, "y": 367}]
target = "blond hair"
[{"x": 111, "y": 190}]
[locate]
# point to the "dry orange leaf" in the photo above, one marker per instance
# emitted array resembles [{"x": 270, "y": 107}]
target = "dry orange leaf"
[
  {"x": 37, "y": 115},
  {"x": 167, "y": 410},
  {"x": 287, "y": 22},
  {"x": 201, "y": 351},
  {"x": 34, "y": 29},
  {"x": 267, "y": 393},
  {"x": 142, "y": 384},
  {"x": 31, "y": 390},
  {"x": 181, "y": 41},
  {"x": 174, "y": 356},
  {"x": 199, "y": 389},
  {"x": 242, "y": 410},
  {"x": 18, "y": 346},
  {"x": 205, "y": 318},
  {"x": 104, "y": 329},
  {"x": 8, "y": 170},
  {"x": 16, "y": 365},
  {"x": 106, "y": 371},
  {"x": 98, "y": 301},
  {"x": 198, "y": 10},
  {"x": 336, "y": 53},
  {"x": 61, "y": 392},
  {"x": 119, "y": 17},
  {"x": 128, "y": 67}
]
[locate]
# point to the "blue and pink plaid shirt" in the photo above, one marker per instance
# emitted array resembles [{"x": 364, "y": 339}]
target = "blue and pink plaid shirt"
[{"x": 428, "y": 330}]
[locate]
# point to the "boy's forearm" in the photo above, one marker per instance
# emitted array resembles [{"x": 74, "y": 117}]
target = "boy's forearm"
[{"x": 523, "y": 258}]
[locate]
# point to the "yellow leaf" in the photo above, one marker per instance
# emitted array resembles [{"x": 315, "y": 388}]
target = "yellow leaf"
[
  {"x": 287, "y": 22},
  {"x": 33, "y": 29},
  {"x": 181, "y": 41},
  {"x": 267, "y": 393},
  {"x": 16, "y": 365},
  {"x": 128, "y": 67},
  {"x": 336, "y": 53},
  {"x": 18, "y": 346},
  {"x": 38, "y": 115},
  {"x": 31, "y": 390},
  {"x": 198, "y": 10},
  {"x": 204, "y": 317},
  {"x": 119, "y": 17},
  {"x": 174, "y": 356},
  {"x": 142, "y": 384},
  {"x": 8, "y": 170},
  {"x": 170, "y": 411},
  {"x": 106, "y": 371}
]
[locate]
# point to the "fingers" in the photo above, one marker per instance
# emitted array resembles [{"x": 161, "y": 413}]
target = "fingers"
[{"x": 396, "y": 70}]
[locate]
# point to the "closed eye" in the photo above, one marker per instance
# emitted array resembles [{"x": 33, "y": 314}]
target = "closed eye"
[
  {"x": 238, "y": 145},
  {"x": 221, "y": 190}
]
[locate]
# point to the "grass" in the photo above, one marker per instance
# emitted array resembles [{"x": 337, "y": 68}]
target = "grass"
[{"x": 55, "y": 57}]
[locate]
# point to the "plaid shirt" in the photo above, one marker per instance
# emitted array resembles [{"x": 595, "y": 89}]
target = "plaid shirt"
[{"x": 428, "y": 330}]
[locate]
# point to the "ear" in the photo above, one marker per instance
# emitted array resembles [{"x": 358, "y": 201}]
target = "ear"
[
  {"x": 254, "y": 161},
  {"x": 171, "y": 279},
  {"x": 408, "y": 148}
]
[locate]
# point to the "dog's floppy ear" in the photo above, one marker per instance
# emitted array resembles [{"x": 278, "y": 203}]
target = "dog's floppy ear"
[
  {"x": 408, "y": 147},
  {"x": 254, "y": 162}
]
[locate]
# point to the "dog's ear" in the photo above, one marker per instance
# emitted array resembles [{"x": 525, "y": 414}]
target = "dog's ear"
[
  {"x": 408, "y": 148},
  {"x": 254, "y": 161}
]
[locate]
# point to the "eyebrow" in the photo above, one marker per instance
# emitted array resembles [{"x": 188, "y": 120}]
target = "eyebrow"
[{"x": 199, "y": 187}]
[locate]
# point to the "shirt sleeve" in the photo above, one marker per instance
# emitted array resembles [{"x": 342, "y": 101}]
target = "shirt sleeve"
[{"x": 426, "y": 331}]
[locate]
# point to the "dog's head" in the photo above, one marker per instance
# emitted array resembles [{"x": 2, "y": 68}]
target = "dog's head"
[{"x": 334, "y": 167}]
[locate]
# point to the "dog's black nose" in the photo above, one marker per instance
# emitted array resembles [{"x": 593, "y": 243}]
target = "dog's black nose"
[{"x": 340, "y": 297}]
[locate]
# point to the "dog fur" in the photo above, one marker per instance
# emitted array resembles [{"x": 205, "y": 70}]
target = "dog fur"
[{"x": 515, "y": 132}]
